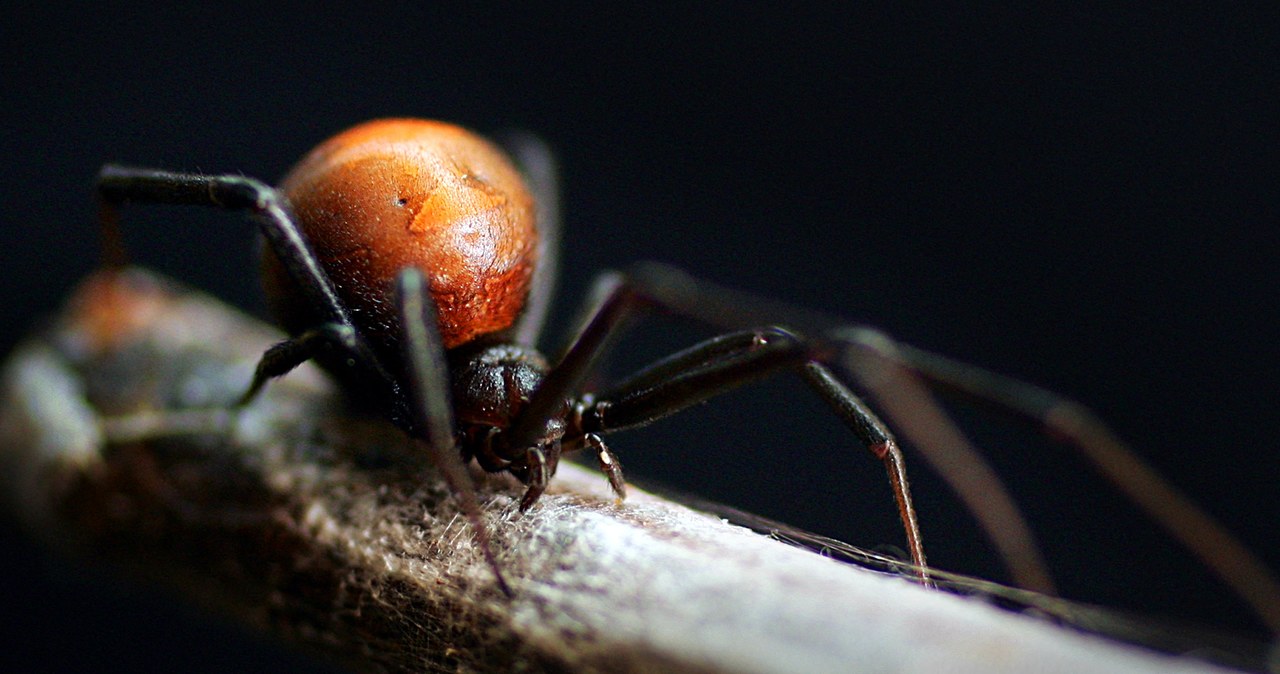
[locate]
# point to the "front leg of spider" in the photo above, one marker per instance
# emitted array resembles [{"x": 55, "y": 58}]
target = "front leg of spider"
[{"x": 431, "y": 402}]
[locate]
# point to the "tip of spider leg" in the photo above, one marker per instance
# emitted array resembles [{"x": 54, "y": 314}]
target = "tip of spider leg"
[
  {"x": 530, "y": 497},
  {"x": 619, "y": 490},
  {"x": 239, "y": 404},
  {"x": 609, "y": 466},
  {"x": 486, "y": 549},
  {"x": 502, "y": 583}
]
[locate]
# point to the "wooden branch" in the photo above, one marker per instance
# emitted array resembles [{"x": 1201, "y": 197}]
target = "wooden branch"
[{"x": 326, "y": 529}]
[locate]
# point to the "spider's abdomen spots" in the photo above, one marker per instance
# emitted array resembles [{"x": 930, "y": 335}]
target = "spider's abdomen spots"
[{"x": 394, "y": 193}]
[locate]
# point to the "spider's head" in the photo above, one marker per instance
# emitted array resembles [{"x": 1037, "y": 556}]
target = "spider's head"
[{"x": 492, "y": 384}]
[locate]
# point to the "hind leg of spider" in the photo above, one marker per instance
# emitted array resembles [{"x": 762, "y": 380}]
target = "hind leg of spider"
[
  {"x": 729, "y": 361},
  {"x": 432, "y": 406},
  {"x": 1198, "y": 531},
  {"x": 119, "y": 185}
]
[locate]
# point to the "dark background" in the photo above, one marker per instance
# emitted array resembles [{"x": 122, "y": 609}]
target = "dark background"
[{"x": 1083, "y": 197}]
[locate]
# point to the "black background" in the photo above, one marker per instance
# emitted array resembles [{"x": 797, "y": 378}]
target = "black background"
[{"x": 1083, "y": 197}]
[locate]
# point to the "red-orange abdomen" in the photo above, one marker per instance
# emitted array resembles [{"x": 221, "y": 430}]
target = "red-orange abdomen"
[{"x": 393, "y": 193}]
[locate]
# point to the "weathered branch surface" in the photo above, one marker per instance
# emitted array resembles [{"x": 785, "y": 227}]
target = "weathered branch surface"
[{"x": 326, "y": 529}]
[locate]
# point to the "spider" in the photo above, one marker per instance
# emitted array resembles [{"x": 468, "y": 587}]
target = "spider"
[{"x": 410, "y": 260}]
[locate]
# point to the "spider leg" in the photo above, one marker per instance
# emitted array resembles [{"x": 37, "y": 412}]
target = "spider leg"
[
  {"x": 539, "y": 477},
  {"x": 538, "y": 164},
  {"x": 432, "y": 403},
  {"x": 117, "y": 185},
  {"x": 608, "y": 304},
  {"x": 695, "y": 375},
  {"x": 723, "y": 363},
  {"x": 1208, "y": 540},
  {"x": 608, "y": 464},
  {"x": 894, "y": 373},
  {"x": 876, "y": 436},
  {"x": 329, "y": 338}
]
